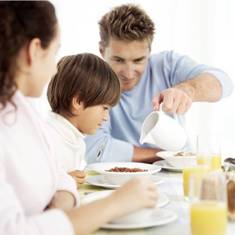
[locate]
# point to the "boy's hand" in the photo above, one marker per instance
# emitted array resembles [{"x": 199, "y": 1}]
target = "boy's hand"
[{"x": 79, "y": 176}]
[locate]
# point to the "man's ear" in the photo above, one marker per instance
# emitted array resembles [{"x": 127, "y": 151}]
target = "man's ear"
[{"x": 34, "y": 50}]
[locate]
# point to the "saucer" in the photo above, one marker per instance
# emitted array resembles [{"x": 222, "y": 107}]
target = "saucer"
[
  {"x": 159, "y": 217},
  {"x": 162, "y": 200},
  {"x": 98, "y": 180}
]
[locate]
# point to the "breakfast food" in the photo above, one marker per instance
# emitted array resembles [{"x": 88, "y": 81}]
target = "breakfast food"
[
  {"x": 125, "y": 169},
  {"x": 183, "y": 154}
]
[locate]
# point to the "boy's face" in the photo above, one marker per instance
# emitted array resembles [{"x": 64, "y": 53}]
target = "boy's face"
[
  {"x": 89, "y": 119},
  {"x": 127, "y": 59}
]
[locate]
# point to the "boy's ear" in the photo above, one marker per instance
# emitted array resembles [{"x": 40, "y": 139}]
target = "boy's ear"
[{"x": 77, "y": 106}]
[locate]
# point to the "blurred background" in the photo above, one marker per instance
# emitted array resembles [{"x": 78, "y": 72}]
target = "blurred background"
[{"x": 202, "y": 29}]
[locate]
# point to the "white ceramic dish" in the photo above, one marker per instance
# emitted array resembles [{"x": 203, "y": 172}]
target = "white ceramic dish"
[
  {"x": 167, "y": 166},
  {"x": 139, "y": 216},
  {"x": 120, "y": 178},
  {"x": 187, "y": 160},
  {"x": 158, "y": 217},
  {"x": 167, "y": 154},
  {"x": 98, "y": 180}
]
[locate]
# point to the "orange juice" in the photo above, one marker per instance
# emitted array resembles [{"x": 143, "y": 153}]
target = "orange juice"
[
  {"x": 215, "y": 162},
  {"x": 208, "y": 218},
  {"x": 187, "y": 172},
  {"x": 202, "y": 160}
]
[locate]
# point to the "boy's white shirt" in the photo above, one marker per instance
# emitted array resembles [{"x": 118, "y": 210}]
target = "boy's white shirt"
[{"x": 69, "y": 141}]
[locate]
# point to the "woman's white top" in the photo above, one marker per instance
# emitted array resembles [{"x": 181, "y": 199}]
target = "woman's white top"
[
  {"x": 70, "y": 143},
  {"x": 29, "y": 174}
]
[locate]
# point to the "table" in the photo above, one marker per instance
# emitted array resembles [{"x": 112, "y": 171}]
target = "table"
[{"x": 172, "y": 186}]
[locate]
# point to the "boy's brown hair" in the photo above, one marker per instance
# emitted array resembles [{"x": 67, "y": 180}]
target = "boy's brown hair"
[
  {"x": 85, "y": 76},
  {"x": 126, "y": 22}
]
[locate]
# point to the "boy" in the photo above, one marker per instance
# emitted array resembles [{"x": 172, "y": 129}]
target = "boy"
[{"x": 80, "y": 94}]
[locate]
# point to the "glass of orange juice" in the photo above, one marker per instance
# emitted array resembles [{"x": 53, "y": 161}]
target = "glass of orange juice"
[
  {"x": 208, "y": 210},
  {"x": 209, "y": 151},
  {"x": 196, "y": 171}
]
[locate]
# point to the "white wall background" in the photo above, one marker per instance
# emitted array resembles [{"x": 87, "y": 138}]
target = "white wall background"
[{"x": 203, "y": 29}]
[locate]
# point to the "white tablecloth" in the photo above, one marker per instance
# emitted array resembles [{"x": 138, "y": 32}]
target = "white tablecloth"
[{"x": 173, "y": 187}]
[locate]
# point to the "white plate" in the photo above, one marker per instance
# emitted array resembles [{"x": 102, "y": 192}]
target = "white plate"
[
  {"x": 166, "y": 166},
  {"x": 167, "y": 154},
  {"x": 163, "y": 200},
  {"x": 103, "y": 167},
  {"x": 159, "y": 217},
  {"x": 98, "y": 180},
  {"x": 178, "y": 161}
]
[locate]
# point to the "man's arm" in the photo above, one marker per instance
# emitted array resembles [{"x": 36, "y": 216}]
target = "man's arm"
[
  {"x": 187, "y": 82},
  {"x": 147, "y": 155},
  {"x": 178, "y": 99},
  {"x": 204, "y": 87},
  {"x": 102, "y": 147}
]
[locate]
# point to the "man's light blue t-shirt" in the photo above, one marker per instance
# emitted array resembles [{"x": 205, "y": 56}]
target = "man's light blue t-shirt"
[{"x": 114, "y": 142}]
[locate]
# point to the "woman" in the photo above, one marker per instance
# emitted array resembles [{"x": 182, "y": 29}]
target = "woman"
[{"x": 36, "y": 197}]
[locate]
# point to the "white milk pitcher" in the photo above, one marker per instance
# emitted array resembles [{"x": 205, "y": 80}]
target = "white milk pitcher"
[{"x": 163, "y": 131}]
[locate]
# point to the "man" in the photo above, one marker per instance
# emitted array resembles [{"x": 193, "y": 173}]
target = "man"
[{"x": 166, "y": 78}]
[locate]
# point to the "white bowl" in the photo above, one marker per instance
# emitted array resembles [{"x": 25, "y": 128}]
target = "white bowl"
[
  {"x": 134, "y": 217},
  {"x": 172, "y": 158},
  {"x": 119, "y": 178}
]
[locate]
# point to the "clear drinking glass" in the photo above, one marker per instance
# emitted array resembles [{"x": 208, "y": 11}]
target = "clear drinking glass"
[
  {"x": 196, "y": 171},
  {"x": 209, "y": 151},
  {"x": 208, "y": 209}
]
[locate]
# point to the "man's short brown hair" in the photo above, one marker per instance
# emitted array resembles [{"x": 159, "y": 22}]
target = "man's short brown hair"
[
  {"x": 85, "y": 76},
  {"x": 126, "y": 22}
]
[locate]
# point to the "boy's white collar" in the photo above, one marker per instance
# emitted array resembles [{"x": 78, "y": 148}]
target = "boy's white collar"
[{"x": 65, "y": 124}]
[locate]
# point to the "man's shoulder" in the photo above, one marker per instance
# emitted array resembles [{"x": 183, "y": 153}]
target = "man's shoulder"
[
  {"x": 161, "y": 60},
  {"x": 168, "y": 59},
  {"x": 162, "y": 55}
]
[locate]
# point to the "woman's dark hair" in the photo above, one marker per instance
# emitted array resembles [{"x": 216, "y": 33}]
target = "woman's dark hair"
[
  {"x": 20, "y": 22},
  {"x": 85, "y": 76}
]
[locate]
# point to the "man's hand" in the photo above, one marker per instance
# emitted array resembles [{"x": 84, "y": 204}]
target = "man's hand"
[
  {"x": 174, "y": 100},
  {"x": 63, "y": 200},
  {"x": 79, "y": 176}
]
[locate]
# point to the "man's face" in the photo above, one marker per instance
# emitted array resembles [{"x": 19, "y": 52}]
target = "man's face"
[{"x": 127, "y": 59}]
